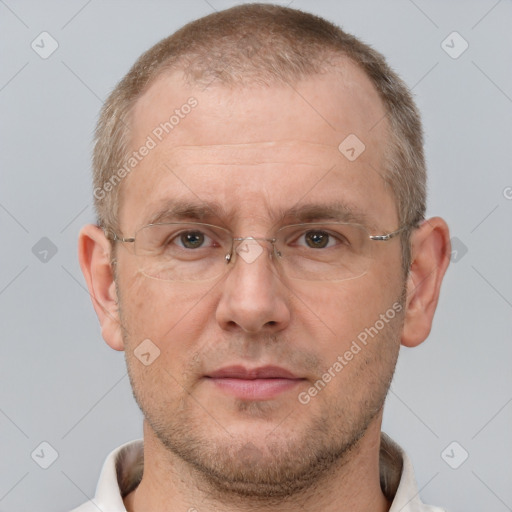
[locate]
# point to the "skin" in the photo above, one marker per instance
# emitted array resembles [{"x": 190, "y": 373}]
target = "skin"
[{"x": 255, "y": 151}]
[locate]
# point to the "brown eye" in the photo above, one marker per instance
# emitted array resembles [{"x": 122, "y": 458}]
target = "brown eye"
[
  {"x": 317, "y": 239},
  {"x": 192, "y": 239}
]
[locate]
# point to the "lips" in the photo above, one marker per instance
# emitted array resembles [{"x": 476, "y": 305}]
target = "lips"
[
  {"x": 263, "y": 383},
  {"x": 264, "y": 372}
]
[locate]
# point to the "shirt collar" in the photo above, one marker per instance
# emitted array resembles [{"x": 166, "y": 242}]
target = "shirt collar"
[{"x": 122, "y": 472}]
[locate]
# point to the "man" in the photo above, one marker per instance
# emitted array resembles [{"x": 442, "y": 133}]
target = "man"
[{"x": 260, "y": 255}]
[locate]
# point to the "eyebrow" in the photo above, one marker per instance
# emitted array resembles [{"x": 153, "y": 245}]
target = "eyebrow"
[
  {"x": 335, "y": 211},
  {"x": 179, "y": 210}
]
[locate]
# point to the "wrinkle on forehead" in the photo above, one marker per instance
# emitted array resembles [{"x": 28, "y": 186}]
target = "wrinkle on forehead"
[{"x": 255, "y": 153}]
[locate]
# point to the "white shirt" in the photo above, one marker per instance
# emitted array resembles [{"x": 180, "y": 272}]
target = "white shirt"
[{"x": 122, "y": 472}]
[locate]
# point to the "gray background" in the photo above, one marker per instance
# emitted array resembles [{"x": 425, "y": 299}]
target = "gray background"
[{"x": 63, "y": 385}]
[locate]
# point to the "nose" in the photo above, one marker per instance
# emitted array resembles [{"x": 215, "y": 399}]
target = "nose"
[{"x": 253, "y": 297}]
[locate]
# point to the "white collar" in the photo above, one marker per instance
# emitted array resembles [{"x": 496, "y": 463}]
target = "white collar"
[{"x": 122, "y": 472}]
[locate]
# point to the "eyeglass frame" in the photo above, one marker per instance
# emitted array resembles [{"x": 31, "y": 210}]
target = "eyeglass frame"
[{"x": 114, "y": 237}]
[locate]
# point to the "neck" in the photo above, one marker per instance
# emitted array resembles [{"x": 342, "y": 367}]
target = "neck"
[{"x": 169, "y": 484}]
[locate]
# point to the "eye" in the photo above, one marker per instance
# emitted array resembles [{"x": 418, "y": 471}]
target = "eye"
[
  {"x": 336, "y": 236},
  {"x": 192, "y": 239},
  {"x": 317, "y": 239}
]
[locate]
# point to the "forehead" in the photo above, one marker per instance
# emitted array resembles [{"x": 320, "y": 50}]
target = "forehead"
[
  {"x": 337, "y": 101},
  {"x": 254, "y": 147}
]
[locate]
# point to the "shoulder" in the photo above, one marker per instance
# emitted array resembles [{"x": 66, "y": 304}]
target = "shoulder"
[
  {"x": 121, "y": 473},
  {"x": 398, "y": 481}
]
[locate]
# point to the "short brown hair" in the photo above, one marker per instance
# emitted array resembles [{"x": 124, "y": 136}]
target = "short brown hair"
[{"x": 264, "y": 44}]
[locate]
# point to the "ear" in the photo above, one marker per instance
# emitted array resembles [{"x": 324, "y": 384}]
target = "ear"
[
  {"x": 94, "y": 253},
  {"x": 430, "y": 256}
]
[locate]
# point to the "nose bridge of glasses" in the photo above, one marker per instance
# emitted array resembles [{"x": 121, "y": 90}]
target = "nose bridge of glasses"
[{"x": 249, "y": 248}]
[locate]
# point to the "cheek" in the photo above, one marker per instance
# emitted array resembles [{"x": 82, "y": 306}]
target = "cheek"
[
  {"x": 335, "y": 314},
  {"x": 173, "y": 321},
  {"x": 357, "y": 340},
  {"x": 171, "y": 315},
  {"x": 337, "y": 307}
]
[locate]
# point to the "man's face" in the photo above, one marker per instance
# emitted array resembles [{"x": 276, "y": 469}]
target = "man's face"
[{"x": 256, "y": 153}]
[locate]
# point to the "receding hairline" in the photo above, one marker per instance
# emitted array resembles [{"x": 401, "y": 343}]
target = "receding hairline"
[{"x": 339, "y": 66}]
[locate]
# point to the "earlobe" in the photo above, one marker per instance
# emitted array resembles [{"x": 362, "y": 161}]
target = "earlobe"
[
  {"x": 430, "y": 256},
  {"x": 95, "y": 262}
]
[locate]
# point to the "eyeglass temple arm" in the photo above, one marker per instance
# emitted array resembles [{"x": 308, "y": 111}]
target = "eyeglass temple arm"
[
  {"x": 116, "y": 238},
  {"x": 388, "y": 236}
]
